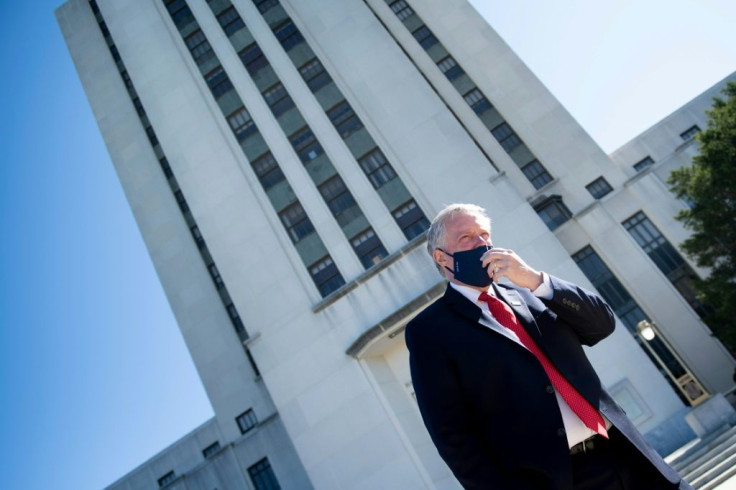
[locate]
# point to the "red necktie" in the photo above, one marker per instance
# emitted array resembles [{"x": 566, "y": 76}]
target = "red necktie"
[{"x": 582, "y": 408}]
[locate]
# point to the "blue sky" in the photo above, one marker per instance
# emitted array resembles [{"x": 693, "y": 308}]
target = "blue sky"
[{"x": 94, "y": 374}]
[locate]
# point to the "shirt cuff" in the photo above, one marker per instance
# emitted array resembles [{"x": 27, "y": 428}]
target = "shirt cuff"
[{"x": 544, "y": 291}]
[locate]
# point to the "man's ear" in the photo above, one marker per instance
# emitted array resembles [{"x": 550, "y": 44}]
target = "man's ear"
[{"x": 440, "y": 257}]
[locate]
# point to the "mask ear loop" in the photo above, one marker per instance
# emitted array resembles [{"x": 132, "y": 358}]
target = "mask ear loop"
[{"x": 451, "y": 255}]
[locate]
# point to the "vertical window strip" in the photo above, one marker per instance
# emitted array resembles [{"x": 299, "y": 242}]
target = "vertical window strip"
[
  {"x": 346, "y": 122},
  {"x": 164, "y": 163}
]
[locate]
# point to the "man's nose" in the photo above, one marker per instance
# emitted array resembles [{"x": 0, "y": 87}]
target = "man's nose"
[{"x": 480, "y": 240}]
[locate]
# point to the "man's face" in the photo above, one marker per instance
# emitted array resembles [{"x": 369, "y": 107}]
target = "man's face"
[{"x": 463, "y": 232}]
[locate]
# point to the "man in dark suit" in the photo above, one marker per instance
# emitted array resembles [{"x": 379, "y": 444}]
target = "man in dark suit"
[{"x": 503, "y": 385}]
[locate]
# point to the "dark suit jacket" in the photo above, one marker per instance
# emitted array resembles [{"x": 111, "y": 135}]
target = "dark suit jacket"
[{"x": 486, "y": 401}]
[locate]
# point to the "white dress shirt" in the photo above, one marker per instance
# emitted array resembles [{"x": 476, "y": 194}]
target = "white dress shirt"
[{"x": 575, "y": 429}]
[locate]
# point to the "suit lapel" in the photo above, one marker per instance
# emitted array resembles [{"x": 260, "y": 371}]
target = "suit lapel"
[
  {"x": 461, "y": 305},
  {"x": 512, "y": 298}
]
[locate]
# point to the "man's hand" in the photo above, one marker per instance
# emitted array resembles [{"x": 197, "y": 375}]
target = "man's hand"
[{"x": 502, "y": 262}]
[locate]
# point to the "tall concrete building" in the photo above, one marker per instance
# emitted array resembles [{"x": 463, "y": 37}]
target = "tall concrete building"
[{"x": 283, "y": 159}]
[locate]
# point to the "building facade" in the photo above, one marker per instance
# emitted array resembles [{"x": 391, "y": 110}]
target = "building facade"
[{"x": 283, "y": 160}]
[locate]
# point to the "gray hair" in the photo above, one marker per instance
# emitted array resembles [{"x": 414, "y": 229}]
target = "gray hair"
[{"x": 436, "y": 234}]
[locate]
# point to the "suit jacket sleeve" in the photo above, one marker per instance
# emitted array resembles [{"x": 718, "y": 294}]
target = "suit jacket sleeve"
[
  {"x": 586, "y": 313},
  {"x": 445, "y": 415}
]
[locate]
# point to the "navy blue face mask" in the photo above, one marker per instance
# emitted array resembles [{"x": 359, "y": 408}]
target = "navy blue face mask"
[{"x": 468, "y": 267}]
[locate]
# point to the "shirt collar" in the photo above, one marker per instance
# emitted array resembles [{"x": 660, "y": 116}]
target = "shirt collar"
[{"x": 470, "y": 293}]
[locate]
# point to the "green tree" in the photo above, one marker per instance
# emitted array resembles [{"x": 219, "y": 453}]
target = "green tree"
[{"x": 709, "y": 186}]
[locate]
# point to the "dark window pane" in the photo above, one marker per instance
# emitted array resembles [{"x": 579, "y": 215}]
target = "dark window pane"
[
  {"x": 263, "y": 476},
  {"x": 306, "y": 145},
  {"x": 377, "y": 168},
  {"x": 268, "y": 171},
  {"x": 690, "y": 133},
  {"x": 368, "y": 247},
  {"x": 181, "y": 201},
  {"x": 199, "y": 47},
  {"x": 450, "y": 68},
  {"x": 211, "y": 449},
  {"x": 265, "y": 5},
  {"x": 314, "y": 74},
  {"x": 241, "y": 123},
  {"x": 230, "y": 21},
  {"x": 288, "y": 35},
  {"x": 216, "y": 277},
  {"x": 553, "y": 212},
  {"x": 166, "y": 479},
  {"x": 401, "y": 9},
  {"x": 246, "y": 420},
  {"x": 296, "y": 222},
  {"x": 278, "y": 99},
  {"x": 218, "y": 82},
  {"x": 425, "y": 37},
  {"x": 667, "y": 259},
  {"x": 477, "y": 101},
  {"x": 326, "y": 276},
  {"x": 537, "y": 174},
  {"x": 180, "y": 13},
  {"x": 411, "y": 219},
  {"x": 344, "y": 119},
  {"x": 506, "y": 137},
  {"x": 253, "y": 58},
  {"x": 198, "y": 238},
  {"x": 644, "y": 163},
  {"x": 599, "y": 187},
  {"x": 336, "y": 195}
]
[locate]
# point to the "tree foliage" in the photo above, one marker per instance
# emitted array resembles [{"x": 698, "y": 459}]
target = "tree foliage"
[{"x": 709, "y": 186}]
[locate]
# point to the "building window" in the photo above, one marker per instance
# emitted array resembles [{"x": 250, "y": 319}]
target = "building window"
[
  {"x": 336, "y": 195},
  {"x": 690, "y": 133},
  {"x": 344, "y": 119},
  {"x": 235, "y": 318},
  {"x": 314, "y": 74},
  {"x": 241, "y": 123},
  {"x": 306, "y": 145},
  {"x": 506, "y": 137},
  {"x": 326, "y": 276},
  {"x": 216, "y": 277},
  {"x": 288, "y": 35},
  {"x": 599, "y": 187},
  {"x": 368, "y": 247},
  {"x": 199, "y": 47},
  {"x": 377, "y": 168},
  {"x": 253, "y": 58},
  {"x": 477, "y": 101},
  {"x": 246, "y": 420},
  {"x": 553, "y": 212},
  {"x": 263, "y": 476},
  {"x": 252, "y": 361},
  {"x": 139, "y": 107},
  {"x": 166, "y": 167},
  {"x": 450, "y": 68},
  {"x": 151, "y": 136},
  {"x": 230, "y": 21},
  {"x": 198, "y": 238},
  {"x": 425, "y": 37},
  {"x": 180, "y": 13},
  {"x": 211, "y": 449},
  {"x": 644, "y": 163},
  {"x": 410, "y": 219},
  {"x": 265, "y": 5},
  {"x": 268, "y": 171},
  {"x": 218, "y": 82},
  {"x": 181, "y": 201},
  {"x": 296, "y": 222},
  {"x": 537, "y": 174},
  {"x": 278, "y": 99},
  {"x": 666, "y": 258},
  {"x": 401, "y": 9},
  {"x": 619, "y": 299},
  {"x": 166, "y": 479}
]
